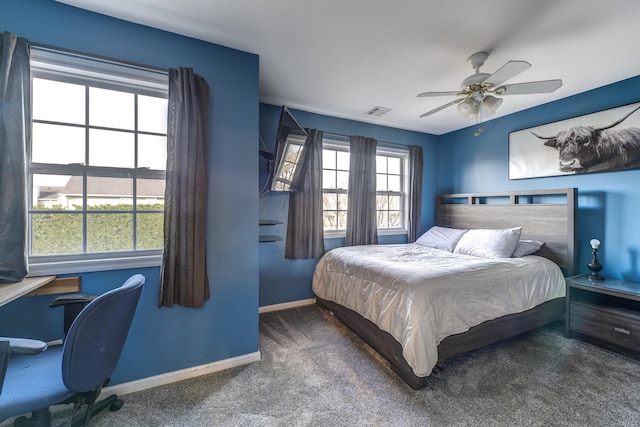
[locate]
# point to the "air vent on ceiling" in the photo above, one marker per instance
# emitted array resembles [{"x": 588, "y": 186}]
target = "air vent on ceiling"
[{"x": 377, "y": 111}]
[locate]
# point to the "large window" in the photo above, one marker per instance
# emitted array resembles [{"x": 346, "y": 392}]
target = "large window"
[
  {"x": 391, "y": 167},
  {"x": 98, "y": 156}
]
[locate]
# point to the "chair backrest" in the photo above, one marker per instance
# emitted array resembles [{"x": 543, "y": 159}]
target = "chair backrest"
[{"x": 95, "y": 340}]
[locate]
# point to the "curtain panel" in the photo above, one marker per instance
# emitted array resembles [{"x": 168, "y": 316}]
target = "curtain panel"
[
  {"x": 15, "y": 136},
  {"x": 305, "y": 234},
  {"x": 362, "y": 224},
  {"x": 415, "y": 192},
  {"x": 183, "y": 277}
]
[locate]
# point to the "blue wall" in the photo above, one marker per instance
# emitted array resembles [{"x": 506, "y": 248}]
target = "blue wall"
[
  {"x": 168, "y": 339},
  {"x": 290, "y": 280},
  {"x": 609, "y": 203}
]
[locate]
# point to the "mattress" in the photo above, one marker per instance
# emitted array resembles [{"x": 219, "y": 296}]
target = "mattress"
[{"x": 422, "y": 295}]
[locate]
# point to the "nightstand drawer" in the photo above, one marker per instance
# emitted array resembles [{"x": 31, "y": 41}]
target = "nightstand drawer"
[{"x": 614, "y": 328}]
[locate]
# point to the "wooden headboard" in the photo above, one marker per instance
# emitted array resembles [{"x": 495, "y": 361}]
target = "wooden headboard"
[{"x": 546, "y": 215}]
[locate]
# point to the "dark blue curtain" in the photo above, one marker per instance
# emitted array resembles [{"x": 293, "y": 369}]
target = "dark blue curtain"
[
  {"x": 362, "y": 223},
  {"x": 184, "y": 279},
  {"x": 15, "y": 135},
  {"x": 305, "y": 234},
  {"x": 415, "y": 192}
]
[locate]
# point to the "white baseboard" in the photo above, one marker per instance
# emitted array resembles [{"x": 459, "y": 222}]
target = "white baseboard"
[
  {"x": 286, "y": 305},
  {"x": 183, "y": 374}
]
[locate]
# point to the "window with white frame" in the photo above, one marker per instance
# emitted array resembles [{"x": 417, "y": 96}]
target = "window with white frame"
[
  {"x": 97, "y": 166},
  {"x": 391, "y": 187}
]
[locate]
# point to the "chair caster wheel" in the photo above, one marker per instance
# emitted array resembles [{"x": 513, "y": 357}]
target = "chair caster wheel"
[{"x": 116, "y": 405}]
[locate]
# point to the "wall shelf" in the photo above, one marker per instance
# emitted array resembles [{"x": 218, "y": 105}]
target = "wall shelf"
[
  {"x": 270, "y": 238},
  {"x": 270, "y": 222}
]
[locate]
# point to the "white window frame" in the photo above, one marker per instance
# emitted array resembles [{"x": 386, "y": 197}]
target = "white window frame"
[
  {"x": 96, "y": 72},
  {"x": 382, "y": 150}
]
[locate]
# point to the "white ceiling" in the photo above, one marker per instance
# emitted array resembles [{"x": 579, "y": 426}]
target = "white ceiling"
[{"x": 343, "y": 57}]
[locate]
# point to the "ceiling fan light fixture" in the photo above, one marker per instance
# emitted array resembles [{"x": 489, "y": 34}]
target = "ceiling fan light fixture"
[
  {"x": 467, "y": 106},
  {"x": 490, "y": 104}
]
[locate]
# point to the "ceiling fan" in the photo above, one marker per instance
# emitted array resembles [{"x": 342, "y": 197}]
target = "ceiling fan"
[{"x": 477, "y": 91}]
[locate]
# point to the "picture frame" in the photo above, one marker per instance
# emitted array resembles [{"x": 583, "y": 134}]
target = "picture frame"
[{"x": 604, "y": 141}]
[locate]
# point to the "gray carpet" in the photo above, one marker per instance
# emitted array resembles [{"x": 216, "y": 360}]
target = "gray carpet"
[{"x": 316, "y": 372}]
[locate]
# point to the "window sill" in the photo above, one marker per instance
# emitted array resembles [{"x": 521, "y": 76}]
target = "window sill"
[
  {"x": 386, "y": 232},
  {"x": 90, "y": 265}
]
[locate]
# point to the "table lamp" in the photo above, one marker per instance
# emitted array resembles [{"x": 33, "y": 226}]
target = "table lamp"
[{"x": 594, "y": 265}]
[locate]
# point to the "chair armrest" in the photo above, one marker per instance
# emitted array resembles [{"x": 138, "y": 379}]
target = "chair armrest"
[
  {"x": 24, "y": 345},
  {"x": 72, "y": 299},
  {"x": 73, "y": 305}
]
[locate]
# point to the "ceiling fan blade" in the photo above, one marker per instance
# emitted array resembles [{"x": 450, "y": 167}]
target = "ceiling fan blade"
[
  {"x": 507, "y": 71},
  {"x": 442, "y": 107},
  {"x": 543, "y": 86},
  {"x": 429, "y": 94}
]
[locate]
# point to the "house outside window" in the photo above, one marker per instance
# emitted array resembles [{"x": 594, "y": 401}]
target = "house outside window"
[{"x": 97, "y": 165}]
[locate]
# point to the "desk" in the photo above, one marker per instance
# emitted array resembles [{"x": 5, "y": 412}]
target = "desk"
[{"x": 11, "y": 291}]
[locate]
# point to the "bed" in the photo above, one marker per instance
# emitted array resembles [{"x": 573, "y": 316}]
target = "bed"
[{"x": 348, "y": 282}]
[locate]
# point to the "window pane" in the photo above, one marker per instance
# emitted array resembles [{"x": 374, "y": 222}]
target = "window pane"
[
  {"x": 150, "y": 194},
  {"x": 329, "y": 159},
  {"x": 104, "y": 193},
  {"x": 394, "y": 165},
  {"x": 152, "y": 152},
  {"x": 111, "y": 108},
  {"x": 109, "y": 232},
  {"x": 57, "y": 144},
  {"x": 111, "y": 148},
  {"x": 342, "y": 220},
  {"x": 394, "y": 202},
  {"x": 328, "y": 179},
  {"x": 394, "y": 219},
  {"x": 149, "y": 234},
  {"x": 394, "y": 183},
  {"x": 381, "y": 164},
  {"x": 152, "y": 114},
  {"x": 330, "y": 220},
  {"x": 382, "y": 202},
  {"x": 58, "y": 102},
  {"x": 342, "y": 160},
  {"x": 329, "y": 201},
  {"x": 383, "y": 219},
  {"x": 58, "y": 192},
  {"x": 56, "y": 233},
  {"x": 343, "y": 199},
  {"x": 381, "y": 182},
  {"x": 343, "y": 180}
]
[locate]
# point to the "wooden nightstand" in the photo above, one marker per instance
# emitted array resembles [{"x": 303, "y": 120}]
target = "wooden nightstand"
[{"x": 604, "y": 312}]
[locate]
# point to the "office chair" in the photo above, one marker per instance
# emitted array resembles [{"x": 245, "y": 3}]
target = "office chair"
[{"x": 76, "y": 371}]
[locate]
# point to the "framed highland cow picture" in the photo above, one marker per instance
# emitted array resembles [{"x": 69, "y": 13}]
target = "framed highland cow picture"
[{"x": 604, "y": 141}]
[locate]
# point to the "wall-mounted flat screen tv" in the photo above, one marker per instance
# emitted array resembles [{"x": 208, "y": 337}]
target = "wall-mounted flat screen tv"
[{"x": 289, "y": 144}]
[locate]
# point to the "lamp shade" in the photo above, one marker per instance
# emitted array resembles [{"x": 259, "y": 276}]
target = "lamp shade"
[
  {"x": 470, "y": 108},
  {"x": 467, "y": 106},
  {"x": 490, "y": 104}
]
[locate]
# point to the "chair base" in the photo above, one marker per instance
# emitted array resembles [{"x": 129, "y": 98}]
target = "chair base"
[{"x": 42, "y": 418}]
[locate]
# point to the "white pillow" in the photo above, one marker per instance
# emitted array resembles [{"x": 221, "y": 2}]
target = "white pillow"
[
  {"x": 489, "y": 243},
  {"x": 441, "y": 238},
  {"x": 527, "y": 247}
]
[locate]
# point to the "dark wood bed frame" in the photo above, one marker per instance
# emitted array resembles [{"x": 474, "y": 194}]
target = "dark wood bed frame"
[{"x": 546, "y": 215}]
